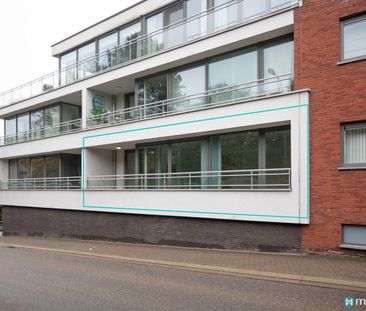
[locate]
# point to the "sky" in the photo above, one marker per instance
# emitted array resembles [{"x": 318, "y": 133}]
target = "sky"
[{"x": 28, "y": 28}]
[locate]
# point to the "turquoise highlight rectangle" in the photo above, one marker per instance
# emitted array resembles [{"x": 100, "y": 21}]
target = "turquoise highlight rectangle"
[{"x": 196, "y": 121}]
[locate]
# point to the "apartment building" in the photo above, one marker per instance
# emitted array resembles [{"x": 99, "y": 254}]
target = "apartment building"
[{"x": 212, "y": 123}]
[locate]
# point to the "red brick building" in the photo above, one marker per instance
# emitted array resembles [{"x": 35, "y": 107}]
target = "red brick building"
[{"x": 337, "y": 97}]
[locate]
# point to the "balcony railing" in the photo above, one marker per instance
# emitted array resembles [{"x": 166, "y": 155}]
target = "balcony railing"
[
  {"x": 211, "y": 98},
  {"x": 53, "y": 183},
  {"x": 43, "y": 132},
  {"x": 250, "y": 180},
  {"x": 222, "y": 17}
]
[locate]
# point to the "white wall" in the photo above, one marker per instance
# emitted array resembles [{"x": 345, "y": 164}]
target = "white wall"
[
  {"x": 284, "y": 206},
  {"x": 100, "y": 161}
]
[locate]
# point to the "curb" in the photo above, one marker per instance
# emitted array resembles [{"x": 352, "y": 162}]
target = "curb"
[{"x": 247, "y": 273}]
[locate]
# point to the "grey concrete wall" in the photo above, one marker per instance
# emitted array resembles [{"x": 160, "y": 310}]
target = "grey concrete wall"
[{"x": 178, "y": 231}]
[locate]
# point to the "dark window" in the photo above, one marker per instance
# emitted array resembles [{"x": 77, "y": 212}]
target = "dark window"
[
  {"x": 37, "y": 165},
  {"x": 24, "y": 168},
  {"x": 152, "y": 90},
  {"x": 52, "y": 166}
]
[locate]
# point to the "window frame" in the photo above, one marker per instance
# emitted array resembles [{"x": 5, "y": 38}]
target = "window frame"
[
  {"x": 344, "y": 127},
  {"x": 261, "y": 144},
  {"x": 343, "y": 23},
  {"x": 350, "y": 245}
]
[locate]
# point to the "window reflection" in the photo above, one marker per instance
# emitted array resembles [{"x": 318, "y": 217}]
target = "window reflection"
[
  {"x": 130, "y": 48},
  {"x": 107, "y": 47},
  {"x": 230, "y": 153},
  {"x": 233, "y": 69},
  {"x": 68, "y": 68},
  {"x": 155, "y": 41},
  {"x": 187, "y": 82},
  {"x": 153, "y": 90},
  {"x": 278, "y": 60},
  {"x": 86, "y": 62},
  {"x": 23, "y": 127}
]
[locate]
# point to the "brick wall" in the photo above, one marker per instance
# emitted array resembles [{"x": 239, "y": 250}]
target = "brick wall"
[
  {"x": 178, "y": 231},
  {"x": 338, "y": 94}
]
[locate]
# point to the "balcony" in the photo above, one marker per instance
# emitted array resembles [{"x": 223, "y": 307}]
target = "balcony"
[
  {"x": 53, "y": 183},
  {"x": 208, "y": 99},
  {"x": 215, "y": 20},
  {"x": 43, "y": 132},
  {"x": 249, "y": 180}
]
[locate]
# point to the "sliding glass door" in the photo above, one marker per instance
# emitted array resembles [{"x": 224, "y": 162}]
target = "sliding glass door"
[{"x": 256, "y": 159}]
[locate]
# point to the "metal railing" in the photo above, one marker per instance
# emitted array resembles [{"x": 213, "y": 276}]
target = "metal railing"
[
  {"x": 214, "y": 97},
  {"x": 257, "y": 179},
  {"x": 52, "y": 183},
  {"x": 43, "y": 132},
  {"x": 211, "y": 21}
]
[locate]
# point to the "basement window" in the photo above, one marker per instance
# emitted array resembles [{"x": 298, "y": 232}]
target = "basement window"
[{"x": 354, "y": 237}]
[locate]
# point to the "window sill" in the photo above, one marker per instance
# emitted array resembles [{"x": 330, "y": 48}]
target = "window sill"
[
  {"x": 349, "y": 168},
  {"x": 353, "y": 246},
  {"x": 351, "y": 60}
]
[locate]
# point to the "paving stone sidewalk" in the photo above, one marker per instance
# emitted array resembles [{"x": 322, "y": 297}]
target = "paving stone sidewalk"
[{"x": 333, "y": 267}]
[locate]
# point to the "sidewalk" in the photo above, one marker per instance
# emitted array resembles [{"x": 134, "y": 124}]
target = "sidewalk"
[{"x": 326, "y": 271}]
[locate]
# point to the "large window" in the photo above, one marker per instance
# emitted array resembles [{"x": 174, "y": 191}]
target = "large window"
[
  {"x": 233, "y": 69},
  {"x": 225, "y": 16},
  {"x": 38, "y": 167},
  {"x": 52, "y": 117},
  {"x": 41, "y": 123},
  {"x": 152, "y": 90},
  {"x": 247, "y": 159},
  {"x": 155, "y": 40},
  {"x": 13, "y": 169},
  {"x": 128, "y": 39},
  {"x": 87, "y": 65},
  {"x": 354, "y": 38},
  {"x": 65, "y": 165},
  {"x": 24, "y": 168},
  {"x": 232, "y": 76},
  {"x": 175, "y": 35},
  {"x": 37, "y": 123},
  {"x": 278, "y": 61},
  {"x": 153, "y": 160},
  {"x": 187, "y": 82},
  {"x": 10, "y": 130},
  {"x": 107, "y": 46},
  {"x": 354, "y": 144},
  {"x": 52, "y": 164},
  {"x": 23, "y": 127},
  {"x": 197, "y": 26},
  {"x": 68, "y": 70}
]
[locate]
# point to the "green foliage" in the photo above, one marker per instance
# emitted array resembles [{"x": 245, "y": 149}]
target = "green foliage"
[{"x": 97, "y": 113}]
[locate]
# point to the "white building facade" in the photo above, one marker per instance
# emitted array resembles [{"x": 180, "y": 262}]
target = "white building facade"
[{"x": 171, "y": 122}]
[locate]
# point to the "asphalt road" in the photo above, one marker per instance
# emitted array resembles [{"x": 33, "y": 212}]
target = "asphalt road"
[{"x": 34, "y": 280}]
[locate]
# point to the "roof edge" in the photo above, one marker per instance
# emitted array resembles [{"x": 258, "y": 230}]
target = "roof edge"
[{"x": 101, "y": 21}]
